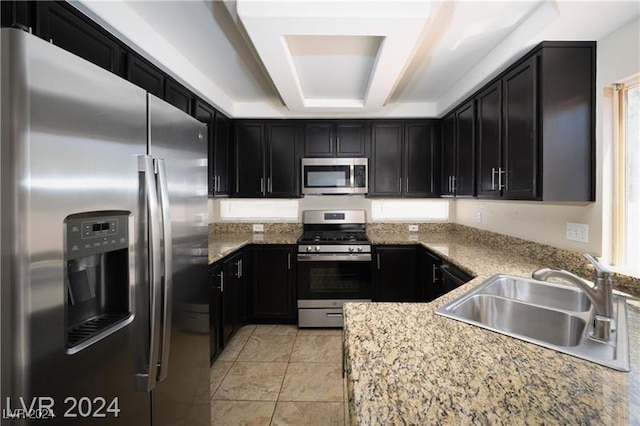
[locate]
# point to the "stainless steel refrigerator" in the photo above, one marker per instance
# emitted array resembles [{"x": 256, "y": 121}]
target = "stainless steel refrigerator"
[{"x": 103, "y": 273}]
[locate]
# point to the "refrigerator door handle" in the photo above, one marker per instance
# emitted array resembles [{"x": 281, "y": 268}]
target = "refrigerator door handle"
[
  {"x": 155, "y": 271},
  {"x": 168, "y": 270}
]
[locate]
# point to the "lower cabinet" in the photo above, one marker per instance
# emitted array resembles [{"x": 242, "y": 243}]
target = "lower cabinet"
[
  {"x": 395, "y": 274},
  {"x": 273, "y": 285},
  {"x": 431, "y": 287},
  {"x": 215, "y": 310}
]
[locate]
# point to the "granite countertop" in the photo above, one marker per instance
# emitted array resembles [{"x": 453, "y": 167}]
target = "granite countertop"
[
  {"x": 407, "y": 365},
  {"x": 221, "y": 245}
]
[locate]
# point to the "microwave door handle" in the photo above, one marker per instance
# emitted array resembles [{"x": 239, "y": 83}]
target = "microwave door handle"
[
  {"x": 168, "y": 271},
  {"x": 352, "y": 179},
  {"x": 146, "y": 166}
]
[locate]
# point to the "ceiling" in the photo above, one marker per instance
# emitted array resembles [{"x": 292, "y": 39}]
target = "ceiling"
[{"x": 350, "y": 58}]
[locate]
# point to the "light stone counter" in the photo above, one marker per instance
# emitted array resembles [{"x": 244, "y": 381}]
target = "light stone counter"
[
  {"x": 407, "y": 365},
  {"x": 223, "y": 244}
]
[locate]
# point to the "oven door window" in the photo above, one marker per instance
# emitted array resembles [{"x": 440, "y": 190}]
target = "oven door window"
[
  {"x": 327, "y": 176},
  {"x": 334, "y": 280}
]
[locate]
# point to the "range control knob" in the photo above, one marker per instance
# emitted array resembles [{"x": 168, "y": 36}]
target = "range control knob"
[
  {"x": 351, "y": 249},
  {"x": 317, "y": 248},
  {"x": 309, "y": 248},
  {"x": 359, "y": 248}
]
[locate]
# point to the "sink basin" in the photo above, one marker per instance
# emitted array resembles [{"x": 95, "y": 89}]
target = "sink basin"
[
  {"x": 555, "y": 316},
  {"x": 555, "y": 327},
  {"x": 552, "y": 295}
]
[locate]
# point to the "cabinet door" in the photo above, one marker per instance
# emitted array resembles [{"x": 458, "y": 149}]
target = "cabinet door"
[
  {"x": 431, "y": 277},
  {"x": 235, "y": 268},
  {"x": 465, "y": 150},
  {"x": 227, "y": 294},
  {"x": 350, "y": 139},
  {"x": 448, "y": 155},
  {"x": 395, "y": 274},
  {"x": 273, "y": 293},
  {"x": 319, "y": 139},
  {"x": 221, "y": 154},
  {"x": 17, "y": 14},
  {"x": 143, "y": 74},
  {"x": 206, "y": 115},
  {"x": 420, "y": 160},
  {"x": 215, "y": 310},
  {"x": 386, "y": 159},
  {"x": 489, "y": 141},
  {"x": 178, "y": 96},
  {"x": 67, "y": 28},
  {"x": 283, "y": 179},
  {"x": 520, "y": 132},
  {"x": 249, "y": 159}
]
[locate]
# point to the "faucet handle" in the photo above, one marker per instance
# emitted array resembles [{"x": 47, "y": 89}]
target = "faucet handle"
[{"x": 601, "y": 270}]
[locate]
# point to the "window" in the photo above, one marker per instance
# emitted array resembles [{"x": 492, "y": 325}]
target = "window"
[{"x": 627, "y": 175}]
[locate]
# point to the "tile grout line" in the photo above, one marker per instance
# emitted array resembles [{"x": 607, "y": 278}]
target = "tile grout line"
[{"x": 275, "y": 407}]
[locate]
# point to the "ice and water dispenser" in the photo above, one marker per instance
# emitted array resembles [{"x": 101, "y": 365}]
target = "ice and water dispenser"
[{"x": 97, "y": 276}]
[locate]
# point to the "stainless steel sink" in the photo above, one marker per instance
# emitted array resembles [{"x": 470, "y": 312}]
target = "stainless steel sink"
[
  {"x": 552, "y": 315},
  {"x": 558, "y": 296}
]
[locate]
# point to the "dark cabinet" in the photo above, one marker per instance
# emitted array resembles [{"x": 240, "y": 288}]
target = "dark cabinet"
[
  {"x": 218, "y": 130},
  {"x": 431, "y": 279},
  {"x": 178, "y": 96},
  {"x": 489, "y": 143},
  {"x": 67, "y": 28},
  {"x": 273, "y": 289},
  {"x": 266, "y": 159},
  {"x": 215, "y": 310},
  {"x": 536, "y": 127},
  {"x": 458, "y": 151},
  {"x": 395, "y": 274},
  {"x": 17, "y": 14},
  {"x": 385, "y": 174},
  {"x": 334, "y": 139},
  {"x": 404, "y": 158},
  {"x": 452, "y": 277},
  {"x": 233, "y": 295},
  {"x": 141, "y": 73}
]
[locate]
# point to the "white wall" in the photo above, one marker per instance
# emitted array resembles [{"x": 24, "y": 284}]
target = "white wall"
[{"x": 618, "y": 57}]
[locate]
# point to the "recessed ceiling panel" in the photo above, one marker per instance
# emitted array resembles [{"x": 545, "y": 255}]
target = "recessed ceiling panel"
[
  {"x": 334, "y": 67},
  {"x": 340, "y": 56}
]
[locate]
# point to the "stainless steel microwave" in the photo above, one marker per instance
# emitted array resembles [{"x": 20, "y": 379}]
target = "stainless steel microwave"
[{"x": 334, "y": 176}]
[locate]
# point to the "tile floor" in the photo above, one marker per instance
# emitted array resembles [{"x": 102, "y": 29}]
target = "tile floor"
[{"x": 279, "y": 375}]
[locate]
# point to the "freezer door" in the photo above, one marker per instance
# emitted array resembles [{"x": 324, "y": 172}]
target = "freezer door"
[
  {"x": 178, "y": 144},
  {"x": 71, "y": 137}
]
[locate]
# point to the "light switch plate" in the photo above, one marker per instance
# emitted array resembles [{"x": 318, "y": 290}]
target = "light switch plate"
[
  {"x": 478, "y": 217},
  {"x": 414, "y": 228},
  {"x": 258, "y": 227},
  {"x": 578, "y": 232}
]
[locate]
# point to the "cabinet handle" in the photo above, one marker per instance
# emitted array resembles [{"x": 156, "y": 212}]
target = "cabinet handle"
[
  {"x": 331, "y": 144},
  {"x": 269, "y": 185},
  {"x": 493, "y": 178},
  {"x": 453, "y": 183},
  {"x": 217, "y": 182},
  {"x": 450, "y": 184},
  {"x": 400, "y": 181},
  {"x": 406, "y": 186},
  {"x": 433, "y": 273},
  {"x": 338, "y": 143},
  {"x": 221, "y": 282},
  {"x": 500, "y": 172},
  {"x": 378, "y": 259},
  {"x": 289, "y": 261},
  {"x": 239, "y": 265},
  {"x": 262, "y": 185}
]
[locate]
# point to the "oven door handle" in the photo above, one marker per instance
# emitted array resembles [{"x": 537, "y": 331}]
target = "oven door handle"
[{"x": 334, "y": 258}]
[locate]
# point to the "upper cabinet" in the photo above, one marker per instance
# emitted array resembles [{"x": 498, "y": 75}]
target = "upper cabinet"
[
  {"x": 141, "y": 73},
  {"x": 218, "y": 135},
  {"x": 458, "y": 151},
  {"x": 266, "y": 159},
  {"x": 335, "y": 138},
  {"x": 67, "y": 28},
  {"x": 536, "y": 127},
  {"x": 178, "y": 96},
  {"x": 404, "y": 158}
]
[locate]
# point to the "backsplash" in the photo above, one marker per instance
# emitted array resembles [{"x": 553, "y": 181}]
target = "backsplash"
[{"x": 247, "y": 228}]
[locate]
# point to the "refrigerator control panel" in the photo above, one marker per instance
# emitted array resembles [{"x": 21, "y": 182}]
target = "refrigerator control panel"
[{"x": 95, "y": 233}]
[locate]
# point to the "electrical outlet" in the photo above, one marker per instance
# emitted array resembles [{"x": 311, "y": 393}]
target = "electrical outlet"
[
  {"x": 258, "y": 227},
  {"x": 478, "y": 217},
  {"x": 578, "y": 232},
  {"x": 414, "y": 228}
]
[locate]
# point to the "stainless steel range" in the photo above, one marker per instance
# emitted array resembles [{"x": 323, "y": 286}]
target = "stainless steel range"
[{"x": 334, "y": 265}]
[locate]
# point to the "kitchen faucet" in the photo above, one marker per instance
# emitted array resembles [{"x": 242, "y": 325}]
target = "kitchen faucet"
[{"x": 600, "y": 295}]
